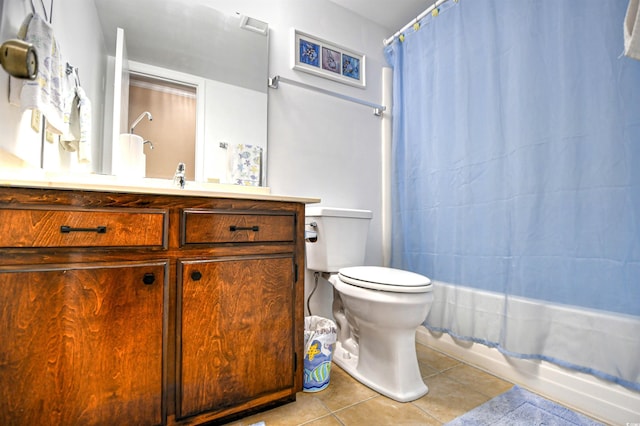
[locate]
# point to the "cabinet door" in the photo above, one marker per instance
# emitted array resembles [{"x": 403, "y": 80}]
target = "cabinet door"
[
  {"x": 81, "y": 345},
  {"x": 235, "y": 332}
]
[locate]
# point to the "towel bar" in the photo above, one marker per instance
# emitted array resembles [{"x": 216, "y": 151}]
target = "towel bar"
[{"x": 377, "y": 109}]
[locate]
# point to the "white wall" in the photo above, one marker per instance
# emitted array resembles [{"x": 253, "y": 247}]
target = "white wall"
[
  {"x": 83, "y": 47},
  {"x": 318, "y": 145},
  {"x": 223, "y": 101}
]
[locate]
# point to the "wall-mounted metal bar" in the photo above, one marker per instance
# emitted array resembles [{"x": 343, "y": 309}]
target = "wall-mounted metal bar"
[{"x": 377, "y": 109}]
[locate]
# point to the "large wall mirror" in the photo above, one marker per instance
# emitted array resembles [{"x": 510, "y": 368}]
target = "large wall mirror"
[
  {"x": 184, "y": 57},
  {"x": 201, "y": 74}
]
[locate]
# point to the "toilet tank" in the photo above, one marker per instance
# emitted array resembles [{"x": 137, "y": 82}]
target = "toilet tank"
[{"x": 341, "y": 237}]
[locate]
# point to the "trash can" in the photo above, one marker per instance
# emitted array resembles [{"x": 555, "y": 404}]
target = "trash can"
[{"x": 319, "y": 341}]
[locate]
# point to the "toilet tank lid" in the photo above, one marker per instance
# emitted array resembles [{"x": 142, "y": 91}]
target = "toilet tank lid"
[{"x": 313, "y": 211}]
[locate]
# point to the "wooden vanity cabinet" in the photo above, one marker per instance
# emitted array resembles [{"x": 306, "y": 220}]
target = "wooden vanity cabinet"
[
  {"x": 146, "y": 309},
  {"x": 235, "y": 332},
  {"x": 77, "y": 349}
]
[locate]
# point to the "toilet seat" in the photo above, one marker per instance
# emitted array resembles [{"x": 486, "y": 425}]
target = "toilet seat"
[{"x": 385, "y": 279}]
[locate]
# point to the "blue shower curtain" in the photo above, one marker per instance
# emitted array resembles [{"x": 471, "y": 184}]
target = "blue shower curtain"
[{"x": 516, "y": 178}]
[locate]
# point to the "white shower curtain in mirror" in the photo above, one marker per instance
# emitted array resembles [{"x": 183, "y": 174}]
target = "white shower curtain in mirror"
[{"x": 516, "y": 181}]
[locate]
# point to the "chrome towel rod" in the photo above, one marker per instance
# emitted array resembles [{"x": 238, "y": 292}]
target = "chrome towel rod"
[{"x": 273, "y": 83}]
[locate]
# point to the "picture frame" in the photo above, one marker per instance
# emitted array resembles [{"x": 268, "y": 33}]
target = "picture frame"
[{"x": 328, "y": 60}]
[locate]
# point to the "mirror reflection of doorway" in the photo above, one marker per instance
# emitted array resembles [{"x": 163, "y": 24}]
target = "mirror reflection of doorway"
[{"x": 172, "y": 132}]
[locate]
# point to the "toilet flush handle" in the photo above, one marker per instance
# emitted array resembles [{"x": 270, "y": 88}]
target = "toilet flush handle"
[{"x": 311, "y": 236}]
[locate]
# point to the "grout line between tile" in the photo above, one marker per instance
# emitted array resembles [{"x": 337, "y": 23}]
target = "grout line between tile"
[
  {"x": 428, "y": 413},
  {"x": 355, "y": 403},
  {"x": 322, "y": 417}
]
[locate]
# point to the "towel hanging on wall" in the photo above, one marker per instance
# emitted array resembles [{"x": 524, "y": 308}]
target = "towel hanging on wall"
[
  {"x": 47, "y": 92},
  {"x": 245, "y": 164},
  {"x": 632, "y": 30},
  {"x": 78, "y": 134}
]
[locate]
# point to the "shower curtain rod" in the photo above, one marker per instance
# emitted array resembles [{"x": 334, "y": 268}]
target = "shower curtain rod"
[
  {"x": 377, "y": 109},
  {"x": 389, "y": 40}
]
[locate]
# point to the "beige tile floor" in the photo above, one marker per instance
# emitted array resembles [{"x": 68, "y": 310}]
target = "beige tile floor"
[{"x": 454, "y": 389}]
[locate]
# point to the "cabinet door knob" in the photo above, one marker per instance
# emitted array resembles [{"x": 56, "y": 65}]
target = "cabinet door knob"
[
  {"x": 196, "y": 275},
  {"x": 149, "y": 278}
]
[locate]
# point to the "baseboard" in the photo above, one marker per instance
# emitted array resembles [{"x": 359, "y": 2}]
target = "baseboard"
[{"x": 605, "y": 401}]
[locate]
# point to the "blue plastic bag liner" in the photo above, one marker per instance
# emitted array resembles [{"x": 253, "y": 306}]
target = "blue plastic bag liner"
[{"x": 319, "y": 341}]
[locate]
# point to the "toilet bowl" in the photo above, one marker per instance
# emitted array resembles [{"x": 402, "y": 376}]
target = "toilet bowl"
[{"x": 376, "y": 309}]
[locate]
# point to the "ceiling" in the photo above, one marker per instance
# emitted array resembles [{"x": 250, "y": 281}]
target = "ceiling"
[
  {"x": 391, "y": 14},
  {"x": 170, "y": 34}
]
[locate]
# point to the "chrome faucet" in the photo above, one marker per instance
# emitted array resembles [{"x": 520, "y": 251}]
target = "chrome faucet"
[
  {"x": 179, "y": 179},
  {"x": 137, "y": 120}
]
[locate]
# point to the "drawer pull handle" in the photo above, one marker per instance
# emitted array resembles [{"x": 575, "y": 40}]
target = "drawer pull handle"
[
  {"x": 98, "y": 229},
  {"x": 196, "y": 275},
  {"x": 148, "y": 278},
  {"x": 234, "y": 228}
]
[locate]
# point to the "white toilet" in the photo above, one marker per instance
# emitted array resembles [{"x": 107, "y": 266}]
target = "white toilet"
[{"x": 377, "y": 309}]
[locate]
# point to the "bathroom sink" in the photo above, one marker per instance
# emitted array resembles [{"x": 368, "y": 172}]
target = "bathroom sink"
[
  {"x": 99, "y": 182},
  {"x": 203, "y": 186}
]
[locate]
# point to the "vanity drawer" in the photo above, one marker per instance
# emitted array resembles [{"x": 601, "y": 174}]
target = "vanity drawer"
[
  {"x": 54, "y": 227},
  {"x": 208, "y": 227}
]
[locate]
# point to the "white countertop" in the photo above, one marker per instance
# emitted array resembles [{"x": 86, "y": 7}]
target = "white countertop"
[{"x": 36, "y": 178}]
